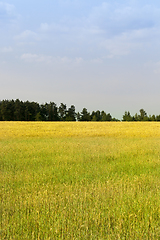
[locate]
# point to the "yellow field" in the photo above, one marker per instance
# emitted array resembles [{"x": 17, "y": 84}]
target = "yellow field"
[
  {"x": 80, "y": 180},
  {"x": 80, "y": 129}
]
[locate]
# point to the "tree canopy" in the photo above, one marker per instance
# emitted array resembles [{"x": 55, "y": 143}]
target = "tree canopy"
[
  {"x": 16, "y": 110},
  {"x": 142, "y": 116}
]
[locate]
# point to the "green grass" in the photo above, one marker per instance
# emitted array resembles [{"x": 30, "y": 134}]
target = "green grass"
[{"x": 80, "y": 188}]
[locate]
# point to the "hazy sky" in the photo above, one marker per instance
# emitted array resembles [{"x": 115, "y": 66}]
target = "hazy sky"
[{"x": 102, "y": 55}]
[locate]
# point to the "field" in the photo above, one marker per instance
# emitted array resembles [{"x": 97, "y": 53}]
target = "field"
[{"x": 75, "y": 180}]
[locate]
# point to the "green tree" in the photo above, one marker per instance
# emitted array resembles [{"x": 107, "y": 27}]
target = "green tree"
[
  {"x": 98, "y": 115},
  {"x": 85, "y": 115},
  {"x": 71, "y": 114},
  {"x": 7, "y": 110},
  {"x": 108, "y": 117},
  {"x": 19, "y": 110},
  {"x": 38, "y": 117},
  {"x": 28, "y": 114},
  {"x": 153, "y": 118},
  {"x": 103, "y": 116},
  {"x": 31, "y": 110},
  {"x": 143, "y": 115},
  {"x": 43, "y": 112},
  {"x": 158, "y": 118},
  {"x": 95, "y": 116},
  {"x": 51, "y": 112},
  {"x": 78, "y": 116},
  {"x": 0, "y": 111},
  {"x": 136, "y": 117},
  {"x": 62, "y": 110},
  {"x": 127, "y": 116}
]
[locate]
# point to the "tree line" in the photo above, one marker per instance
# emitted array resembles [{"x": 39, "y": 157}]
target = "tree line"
[
  {"x": 142, "y": 116},
  {"x": 16, "y": 110}
]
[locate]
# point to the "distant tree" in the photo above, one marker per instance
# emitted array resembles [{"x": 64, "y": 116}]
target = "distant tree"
[
  {"x": 43, "y": 112},
  {"x": 152, "y": 118},
  {"x": 28, "y": 112},
  {"x": 52, "y": 112},
  {"x": 115, "y": 120},
  {"x": 109, "y": 117},
  {"x": 127, "y": 116},
  {"x": 98, "y": 115},
  {"x": 78, "y": 116},
  {"x": 62, "y": 110},
  {"x": 18, "y": 110},
  {"x": 95, "y": 116},
  {"x": 50, "y": 108},
  {"x": 0, "y": 111},
  {"x": 106, "y": 117},
  {"x": 136, "y": 117},
  {"x": 31, "y": 110},
  {"x": 158, "y": 118},
  {"x": 103, "y": 116},
  {"x": 85, "y": 115},
  {"x": 143, "y": 115},
  {"x": 38, "y": 117},
  {"x": 71, "y": 114},
  {"x": 7, "y": 110}
]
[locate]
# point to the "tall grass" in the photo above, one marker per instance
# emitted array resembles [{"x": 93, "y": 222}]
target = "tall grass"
[{"x": 80, "y": 180}]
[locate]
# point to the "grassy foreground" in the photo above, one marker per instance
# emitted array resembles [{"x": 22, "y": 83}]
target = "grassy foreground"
[{"x": 79, "y": 180}]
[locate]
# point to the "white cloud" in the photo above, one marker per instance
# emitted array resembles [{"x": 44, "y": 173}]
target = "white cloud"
[
  {"x": 156, "y": 67},
  {"x": 39, "y": 58},
  {"x": 27, "y": 35},
  {"x": 44, "y": 27},
  {"x": 111, "y": 29},
  {"x": 118, "y": 28},
  {"x": 126, "y": 42},
  {"x": 6, "y": 50},
  {"x": 118, "y": 18},
  {"x": 79, "y": 60},
  {"x": 54, "y": 27},
  {"x": 28, "y": 57},
  {"x": 68, "y": 3},
  {"x": 7, "y": 13},
  {"x": 97, "y": 60},
  {"x": 6, "y": 8}
]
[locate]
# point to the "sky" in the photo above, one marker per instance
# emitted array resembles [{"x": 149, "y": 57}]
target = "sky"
[{"x": 101, "y": 55}]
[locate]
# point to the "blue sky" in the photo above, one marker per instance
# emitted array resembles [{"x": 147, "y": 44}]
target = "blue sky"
[{"x": 102, "y": 55}]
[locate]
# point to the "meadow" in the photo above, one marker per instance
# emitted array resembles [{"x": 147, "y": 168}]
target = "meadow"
[{"x": 80, "y": 180}]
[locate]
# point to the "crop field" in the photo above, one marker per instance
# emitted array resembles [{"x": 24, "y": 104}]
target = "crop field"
[{"x": 80, "y": 180}]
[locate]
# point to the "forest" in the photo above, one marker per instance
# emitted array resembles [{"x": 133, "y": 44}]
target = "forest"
[{"x": 16, "y": 110}]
